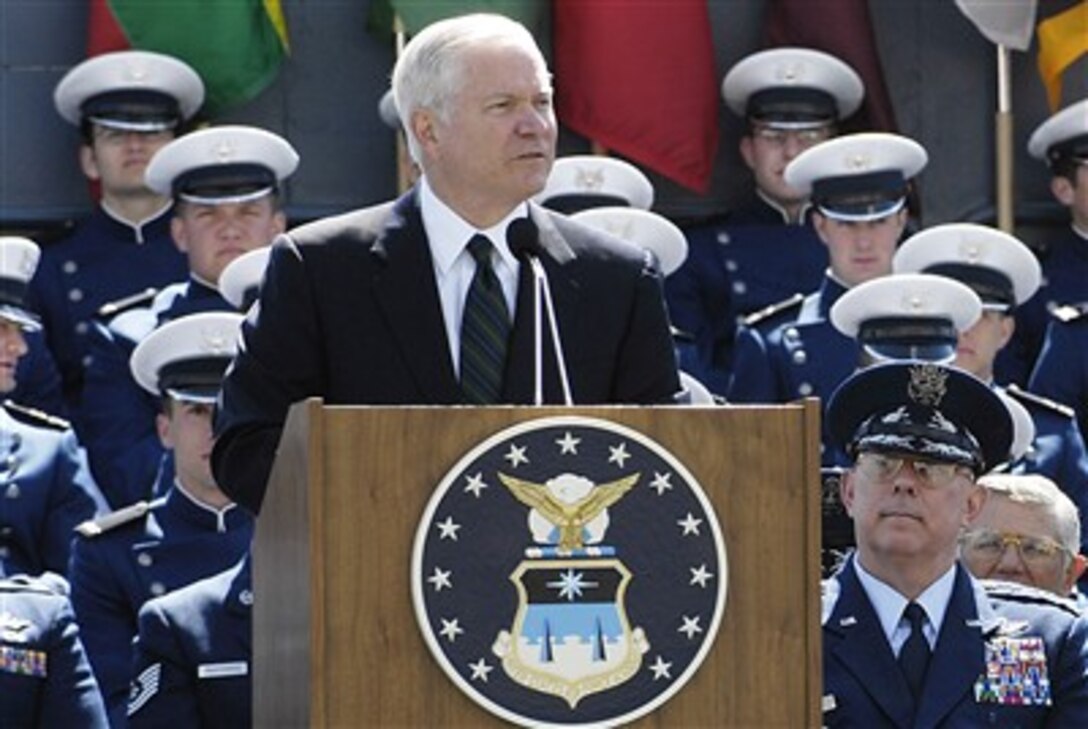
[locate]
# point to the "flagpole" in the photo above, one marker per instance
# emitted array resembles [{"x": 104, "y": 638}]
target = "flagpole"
[
  {"x": 404, "y": 173},
  {"x": 1003, "y": 143}
]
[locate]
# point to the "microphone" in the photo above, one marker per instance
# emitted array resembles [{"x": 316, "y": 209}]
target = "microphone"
[{"x": 524, "y": 242}]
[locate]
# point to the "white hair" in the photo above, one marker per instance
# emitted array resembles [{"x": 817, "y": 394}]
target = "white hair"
[
  {"x": 431, "y": 70},
  {"x": 1042, "y": 493}
]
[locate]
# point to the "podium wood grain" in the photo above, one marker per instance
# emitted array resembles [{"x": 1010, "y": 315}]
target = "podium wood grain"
[{"x": 335, "y": 637}]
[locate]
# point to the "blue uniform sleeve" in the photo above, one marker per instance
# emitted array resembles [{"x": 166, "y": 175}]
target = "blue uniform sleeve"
[
  {"x": 37, "y": 379},
  {"x": 117, "y": 423},
  {"x": 74, "y": 498},
  {"x": 1069, "y": 678},
  {"x": 163, "y": 690},
  {"x": 753, "y": 381},
  {"x": 106, "y": 617},
  {"x": 1061, "y": 372},
  {"x": 71, "y": 697}
]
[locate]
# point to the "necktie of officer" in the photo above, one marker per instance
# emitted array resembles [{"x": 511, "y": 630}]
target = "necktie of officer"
[
  {"x": 485, "y": 329},
  {"x": 914, "y": 655}
]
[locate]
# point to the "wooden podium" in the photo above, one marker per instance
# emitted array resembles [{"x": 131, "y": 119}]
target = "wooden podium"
[{"x": 335, "y": 638}]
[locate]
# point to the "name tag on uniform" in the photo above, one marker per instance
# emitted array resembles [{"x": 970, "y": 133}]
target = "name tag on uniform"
[{"x": 229, "y": 669}]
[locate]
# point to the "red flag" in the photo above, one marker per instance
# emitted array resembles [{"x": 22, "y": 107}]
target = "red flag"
[
  {"x": 638, "y": 77},
  {"x": 844, "y": 29}
]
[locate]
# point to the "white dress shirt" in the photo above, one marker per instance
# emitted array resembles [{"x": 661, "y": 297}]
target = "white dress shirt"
[
  {"x": 889, "y": 606},
  {"x": 448, "y": 235}
]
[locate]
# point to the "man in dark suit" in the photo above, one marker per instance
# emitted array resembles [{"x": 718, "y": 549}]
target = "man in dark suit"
[
  {"x": 910, "y": 639},
  {"x": 367, "y": 307}
]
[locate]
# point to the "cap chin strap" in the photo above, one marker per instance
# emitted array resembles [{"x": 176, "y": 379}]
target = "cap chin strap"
[
  {"x": 148, "y": 126},
  {"x": 228, "y": 200},
  {"x": 861, "y": 217}
]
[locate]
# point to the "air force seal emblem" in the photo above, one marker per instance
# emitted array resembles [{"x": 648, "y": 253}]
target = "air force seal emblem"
[{"x": 569, "y": 571}]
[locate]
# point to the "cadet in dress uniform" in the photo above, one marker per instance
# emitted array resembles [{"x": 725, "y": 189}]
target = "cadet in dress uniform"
[
  {"x": 127, "y": 105},
  {"x": 192, "y": 531},
  {"x": 910, "y": 638},
  {"x": 45, "y": 679},
  {"x": 191, "y": 664},
  {"x": 1005, "y": 274},
  {"x": 1028, "y": 531},
  {"x": 1062, "y": 142},
  {"x": 46, "y": 488},
  {"x": 766, "y": 250},
  {"x": 660, "y": 236},
  {"x": 859, "y": 185},
  {"x": 226, "y": 183}
]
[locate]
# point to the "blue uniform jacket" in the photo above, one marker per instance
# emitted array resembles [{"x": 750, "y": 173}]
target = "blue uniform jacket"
[
  {"x": 115, "y": 573},
  {"x": 117, "y": 417},
  {"x": 1061, "y": 372},
  {"x": 46, "y": 489},
  {"x": 37, "y": 379},
  {"x": 45, "y": 679},
  {"x": 864, "y": 687},
  {"x": 191, "y": 664},
  {"x": 807, "y": 357},
  {"x": 1064, "y": 260},
  {"x": 741, "y": 263},
  {"x": 103, "y": 260}
]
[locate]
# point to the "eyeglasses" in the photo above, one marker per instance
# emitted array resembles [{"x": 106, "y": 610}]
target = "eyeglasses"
[
  {"x": 779, "y": 137},
  {"x": 987, "y": 545},
  {"x": 881, "y": 467}
]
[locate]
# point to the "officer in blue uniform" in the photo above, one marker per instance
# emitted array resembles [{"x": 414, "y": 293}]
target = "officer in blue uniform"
[
  {"x": 192, "y": 531},
  {"x": 859, "y": 185},
  {"x": 1006, "y": 275},
  {"x": 226, "y": 182},
  {"x": 766, "y": 249},
  {"x": 910, "y": 638},
  {"x": 127, "y": 105},
  {"x": 191, "y": 663},
  {"x": 45, "y": 679},
  {"x": 1062, "y": 142},
  {"x": 46, "y": 488}
]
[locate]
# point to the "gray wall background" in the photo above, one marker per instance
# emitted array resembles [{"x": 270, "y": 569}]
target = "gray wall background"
[{"x": 940, "y": 71}]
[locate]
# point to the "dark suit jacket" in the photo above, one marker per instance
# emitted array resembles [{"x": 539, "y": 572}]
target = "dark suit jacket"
[
  {"x": 867, "y": 689},
  {"x": 350, "y": 312}
]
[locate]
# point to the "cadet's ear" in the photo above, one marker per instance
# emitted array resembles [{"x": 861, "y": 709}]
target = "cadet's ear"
[
  {"x": 846, "y": 491},
  {"x": 1062, "y": 190},
  {"x": 88, "y": 163},
  {"x": 976, "y": 499}
]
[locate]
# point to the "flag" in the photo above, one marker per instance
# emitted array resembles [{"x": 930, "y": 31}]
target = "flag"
[
  {"x": 1007, "y": 23},
  {"x": 1063, "y": 38},
  {"x": 843, "y": 28},
  {"x": 236, "y": 46},
  {"x": 415, "y": 15},
  {"x": 639, "y": 78}
]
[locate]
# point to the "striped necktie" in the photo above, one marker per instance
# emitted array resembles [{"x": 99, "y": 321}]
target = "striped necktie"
[{"x": 485, "y": 329}]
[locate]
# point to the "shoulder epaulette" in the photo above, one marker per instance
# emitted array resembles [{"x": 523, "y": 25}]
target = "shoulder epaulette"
[
  {"x": 48, "y": 583},
  {"x": 1070, "y": 312},
  {"x": 113, "y": 308},
  {"x": 1044, "y": 402},
  {"x": 1016, "y": 592},
  {"x": 758, "y": 317},
  {"x": 33, "y": 416},
  {"x": 114, "y": 519}
]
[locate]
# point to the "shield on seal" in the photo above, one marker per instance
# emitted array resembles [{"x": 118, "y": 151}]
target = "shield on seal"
[{"x": 571, "y": 636}]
